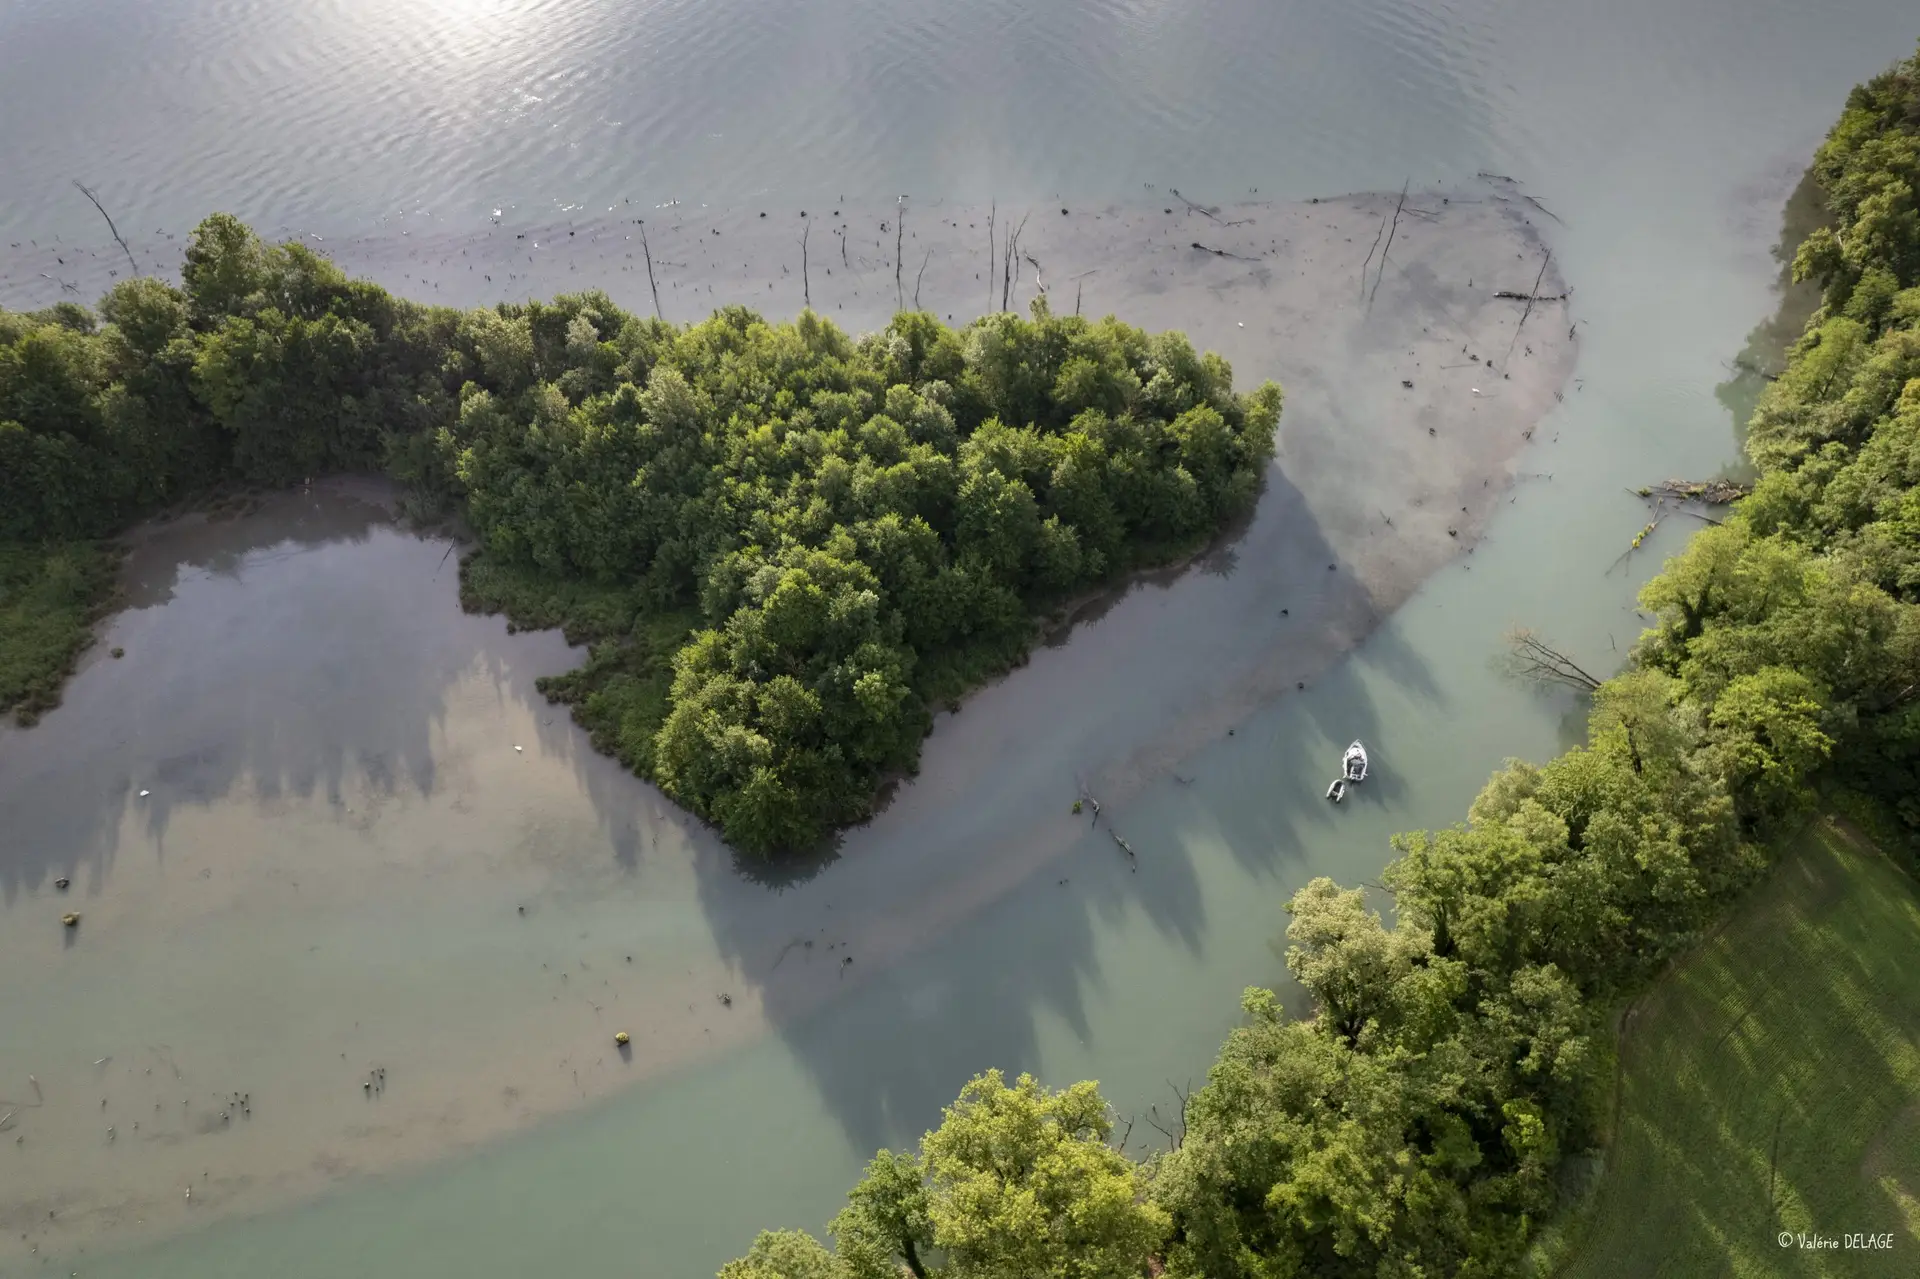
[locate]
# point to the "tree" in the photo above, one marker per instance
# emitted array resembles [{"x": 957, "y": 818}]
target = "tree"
[
  {"x": 1342, "y": 953},
  {"x": 1017, "y": 1182},
  {"x": 786, "y": 1254}
]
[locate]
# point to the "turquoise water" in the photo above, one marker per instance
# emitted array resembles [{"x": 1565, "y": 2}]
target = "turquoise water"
[{"x": 1665, "y": 136}]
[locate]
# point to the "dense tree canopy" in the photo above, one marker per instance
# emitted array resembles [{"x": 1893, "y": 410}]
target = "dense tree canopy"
[
  {"x": 838, "y": 531},
  {"x": 1411, "y": 1127},
  {"x": 1016, "y": 1183}
]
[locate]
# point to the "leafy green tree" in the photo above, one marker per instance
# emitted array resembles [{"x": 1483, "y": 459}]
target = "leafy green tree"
[
  {"x": 1017, "y": 1182},
  {"x": 786, "y": 1254}
]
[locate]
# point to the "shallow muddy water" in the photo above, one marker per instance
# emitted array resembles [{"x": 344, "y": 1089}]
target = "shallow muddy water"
[{"x": 1665, "y": 137}]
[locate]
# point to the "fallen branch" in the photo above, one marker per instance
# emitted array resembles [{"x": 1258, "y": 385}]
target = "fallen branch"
[
  {"x": 1712, "y": 492},
  {"x": 648, "y": 250},
  {"x": 899, "y": 230},
  {"x": 1532, "y": 294},
  {"x": 919, "y": 277},
  {"x": 806, "y": 287},
  {"x": 1513, "y": 295},
  {"x": 110, "y": 226},
  {"x": 1222, "y": 253},
  {"x": 1534, "y": 658},
  {"x": 1378, "y": 232},
  {"x": 993, "y": 210},
  {"x": 1201, "y": 209},
  {"x": 1391, "y": 232},
  {"x": 1543, "y": 208},
  {"x": 1086, "y": 797},
  {"x": 1038, "y": 283},
  {"x": 1659, "y": 513}
]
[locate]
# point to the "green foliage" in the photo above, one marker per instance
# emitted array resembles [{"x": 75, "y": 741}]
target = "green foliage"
[
  {"x": 784, "y": 544},
  {"x": 1416, "y": 1122},
  {"x": 1414, "y": 1125},
  {"x": 50, "y": 596},
  {"x": 865, "y": 527},
  {"x": 1017, "y": 1182}
]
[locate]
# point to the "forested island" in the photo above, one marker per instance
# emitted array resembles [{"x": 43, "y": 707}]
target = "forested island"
[
  {"x": 785, "y": 545},
  {"x": 1418, "y": 1121}
]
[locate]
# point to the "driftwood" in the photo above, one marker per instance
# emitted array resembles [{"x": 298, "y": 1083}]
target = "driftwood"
[
  {"x": 1201, "y": 209},
  {"x": 1391, "y": 232},
  {"x": 1659, "y": 513},
  {"x": 1712, "y": 492},
  {"x": 1532, "y": 296},
  {"x": 1034, "y": 262},
  {"x": 992, "y": 212},
  {"x": 899, "y": 230},
  {"x": 1513, "y": 295},
  {"x": 95, "y": 200},
  {"x": 1534, "y": 658},
  {"x": 806, "y": 287},
  {"x": 1222, "y": 253},
  {"x": 1086, "y": 797},
  {"x": 1373, "y": 248},
  {"x": 919, "y": 277},
  {"x": 644, "y": 248},
  {"x": 1543, "y": 208}
]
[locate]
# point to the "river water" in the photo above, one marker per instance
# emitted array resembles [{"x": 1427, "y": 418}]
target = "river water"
[{"x": 1666, "y": 139}]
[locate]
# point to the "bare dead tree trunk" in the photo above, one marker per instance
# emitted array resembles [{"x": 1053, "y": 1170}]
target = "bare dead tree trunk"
[
  {"x": 992, "y": 211},
  {"x": 1012, "y": 256},
  {"x": 806, "y": 288},
  {"x": 899, "y": 232},
  {"x": 1536, "y": 659},
  {"x": 117, "y": 239},
  {"x": 1077, "y": 286},
  {"x": 648, "y": 250}
]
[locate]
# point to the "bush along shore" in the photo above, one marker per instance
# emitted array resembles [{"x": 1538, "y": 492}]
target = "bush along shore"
[
  {"x": 1417, "y": 1122},
  {"x": 786, "y": 546}
]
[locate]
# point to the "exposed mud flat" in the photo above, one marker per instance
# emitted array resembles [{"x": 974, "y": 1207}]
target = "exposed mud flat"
[{"x": 324, "y": 878}]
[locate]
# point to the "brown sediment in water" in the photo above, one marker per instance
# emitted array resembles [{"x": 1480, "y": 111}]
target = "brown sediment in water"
[{"x": 339, "y": 837}]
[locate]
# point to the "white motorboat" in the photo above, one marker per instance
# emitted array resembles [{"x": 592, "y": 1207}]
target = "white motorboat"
[{"x": 1353, "y": 764}]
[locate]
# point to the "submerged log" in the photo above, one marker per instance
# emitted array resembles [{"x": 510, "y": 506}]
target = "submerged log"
[{"x": 1712, "y": 492}]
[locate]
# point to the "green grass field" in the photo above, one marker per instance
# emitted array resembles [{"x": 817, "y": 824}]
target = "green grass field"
[{"x": 1771, "y": 1082}]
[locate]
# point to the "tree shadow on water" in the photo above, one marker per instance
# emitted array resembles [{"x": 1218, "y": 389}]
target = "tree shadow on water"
[
  {"x": 973, "y": 852},
  {"x": 301, "y": 660},
  {"x": 1763, "y": 356}
]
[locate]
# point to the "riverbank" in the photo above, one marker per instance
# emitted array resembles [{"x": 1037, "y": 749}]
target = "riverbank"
[{"x": 364, "y": 866}]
